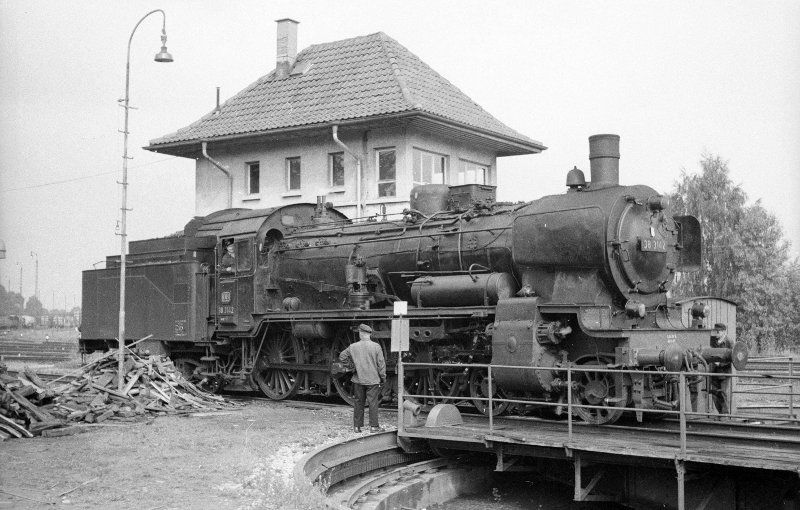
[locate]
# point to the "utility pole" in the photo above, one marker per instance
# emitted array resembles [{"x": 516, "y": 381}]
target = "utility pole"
[
  {"x": 20, "y": 277},
  {"x": 36, "y": 280}
]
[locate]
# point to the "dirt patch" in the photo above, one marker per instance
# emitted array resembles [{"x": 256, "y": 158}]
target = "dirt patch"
[{"x": 233, "y": 459}]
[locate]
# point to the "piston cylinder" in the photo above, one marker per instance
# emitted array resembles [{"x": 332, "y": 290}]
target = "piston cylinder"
[{"x": 462, "y": 290}]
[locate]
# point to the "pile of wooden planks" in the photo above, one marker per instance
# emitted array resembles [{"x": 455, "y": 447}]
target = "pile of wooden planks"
[{"x": 151, "y": 385}]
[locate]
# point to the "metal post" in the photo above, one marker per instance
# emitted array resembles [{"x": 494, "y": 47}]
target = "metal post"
[
  {"x": 36, "y": 273},
  {"x": 124, "y": 208},
  {"x": 569, "y": 404},
  {"x": 791, "y": 388},
  {"x": 680, "y": 468},
  {"x": 490, "y": 407},
  {"x": 682, "y": 389},
  {"x": 733, "y": 382},
  {"x": 400, "y": 392}
]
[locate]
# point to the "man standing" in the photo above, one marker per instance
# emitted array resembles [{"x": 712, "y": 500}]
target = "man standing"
[{"x": 370, "y": 373}]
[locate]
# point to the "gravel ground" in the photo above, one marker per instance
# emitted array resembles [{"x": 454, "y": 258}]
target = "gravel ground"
[{"x": 234, "y": 459}]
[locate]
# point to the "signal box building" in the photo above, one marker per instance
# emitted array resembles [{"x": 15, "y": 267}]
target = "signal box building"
[{"x": 360, "y": 121}]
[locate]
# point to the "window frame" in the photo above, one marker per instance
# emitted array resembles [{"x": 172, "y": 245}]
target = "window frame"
[
  {"x": 331, "y": 157},
  {"x": 243, "y": 255},
  {"x": 288, "y": 174},
  {"x": 442, "y": 159},
  {"x": 248, "y": 176},
  {"x": 379, "y": 181},
  {"x": 462, "y": 172}
]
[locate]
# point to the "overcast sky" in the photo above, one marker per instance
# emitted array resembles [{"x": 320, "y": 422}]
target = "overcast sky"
[{"x": 673, "y": 79}]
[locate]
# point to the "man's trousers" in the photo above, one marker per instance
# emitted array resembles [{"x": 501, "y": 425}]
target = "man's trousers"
[{"x": 369, "y": 395}]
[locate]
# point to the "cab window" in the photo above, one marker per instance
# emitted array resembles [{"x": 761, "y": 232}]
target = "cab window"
[
  {"x": 227, "y": 256},
  {"x": 244, "y": 255}
]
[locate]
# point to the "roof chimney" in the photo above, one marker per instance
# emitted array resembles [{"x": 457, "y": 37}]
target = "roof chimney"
[{"x": 287, "y": 45}]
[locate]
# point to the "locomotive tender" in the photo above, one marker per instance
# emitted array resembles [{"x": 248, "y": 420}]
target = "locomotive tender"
[{"x": 578, "y": 279}]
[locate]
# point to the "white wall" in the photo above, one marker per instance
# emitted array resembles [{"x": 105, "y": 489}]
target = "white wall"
[{"x": 212, "y": 186}]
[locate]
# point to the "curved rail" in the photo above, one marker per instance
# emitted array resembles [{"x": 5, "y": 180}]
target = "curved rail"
[
  {"x": 330, "y": 465},
  {"x": 372, "y": 472}
]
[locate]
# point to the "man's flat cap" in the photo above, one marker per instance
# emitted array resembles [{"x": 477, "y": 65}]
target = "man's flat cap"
[{"x": 363, "y": 327}]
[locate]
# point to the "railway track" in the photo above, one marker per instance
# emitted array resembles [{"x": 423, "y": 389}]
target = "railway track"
[{"x": 32, "y": 351}]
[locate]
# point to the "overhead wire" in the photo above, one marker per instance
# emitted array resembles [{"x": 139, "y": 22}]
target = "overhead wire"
[{"x": 83, "y": 177}]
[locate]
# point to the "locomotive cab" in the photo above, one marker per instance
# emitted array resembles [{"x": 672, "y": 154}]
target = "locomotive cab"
[{"x": 235, "y": 266}]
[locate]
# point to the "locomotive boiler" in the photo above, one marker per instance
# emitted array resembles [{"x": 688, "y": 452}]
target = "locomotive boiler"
[{"x": 577, "y": 279}]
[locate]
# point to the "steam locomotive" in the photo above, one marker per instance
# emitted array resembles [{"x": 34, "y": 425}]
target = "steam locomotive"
[{"x": 577, "y": 279}]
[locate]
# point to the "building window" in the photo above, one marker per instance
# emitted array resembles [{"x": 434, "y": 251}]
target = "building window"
[
  {"x": 429, "y": 168},
  {"x": 387, "y": 173},
  {"x": 472, "y": 173},
  {"x": 253, "y": 177},
  {"x": 336, "y": 169},
  {"x": 292, "y": 174}
]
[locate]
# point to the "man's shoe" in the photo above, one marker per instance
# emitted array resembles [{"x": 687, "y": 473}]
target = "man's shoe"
[
  {"x": 377, "y": 429},
  {"x": 357, "y": 430}
]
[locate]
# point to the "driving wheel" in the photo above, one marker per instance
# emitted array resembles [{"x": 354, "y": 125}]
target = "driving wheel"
[
  {"x": 276, "y": 380},
  {"x": 342, "y": 382},
  {"x": 598, "y": 389},
  {"x": 479, "y": 389},
  {"x": 418, "y": 380}
]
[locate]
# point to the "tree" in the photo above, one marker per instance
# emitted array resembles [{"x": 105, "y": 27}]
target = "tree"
[
  {"x": 10, "y": 302},
  {"x": 791, "y": 331},
  {"x": 745, "y": 258},
  {"x": 34, "y": 307}
]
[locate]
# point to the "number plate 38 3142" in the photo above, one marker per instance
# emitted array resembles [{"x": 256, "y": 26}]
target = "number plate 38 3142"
[{"x": 654, "y": 244}]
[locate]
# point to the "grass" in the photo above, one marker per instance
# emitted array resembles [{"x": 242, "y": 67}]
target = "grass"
[{"x": 280, "y": 493}]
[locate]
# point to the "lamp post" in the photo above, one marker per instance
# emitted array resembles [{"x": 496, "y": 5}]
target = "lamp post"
[{"x": 161, "y": 56}]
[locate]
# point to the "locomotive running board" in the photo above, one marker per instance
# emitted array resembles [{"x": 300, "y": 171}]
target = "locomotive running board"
[{"x": 349, "y": 315}]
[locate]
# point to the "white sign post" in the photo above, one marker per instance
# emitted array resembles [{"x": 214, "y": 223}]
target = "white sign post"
[{"x": 400, "y": 336}]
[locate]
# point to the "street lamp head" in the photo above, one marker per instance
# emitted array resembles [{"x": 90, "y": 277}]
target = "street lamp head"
[{"x": 163, "y": 55}]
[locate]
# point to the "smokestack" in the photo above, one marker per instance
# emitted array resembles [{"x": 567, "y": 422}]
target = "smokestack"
[
  {"x": 604, "y": 160},
  {"x": 287, "y": 45}
]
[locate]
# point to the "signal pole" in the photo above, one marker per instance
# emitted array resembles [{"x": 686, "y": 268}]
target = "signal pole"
[{"x": 36, "y": 280}]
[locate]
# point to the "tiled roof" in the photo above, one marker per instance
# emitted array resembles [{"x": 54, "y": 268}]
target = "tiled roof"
[{"x": 357, "y": 78}]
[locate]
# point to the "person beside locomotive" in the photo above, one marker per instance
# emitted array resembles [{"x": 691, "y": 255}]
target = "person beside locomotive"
[
  {"x": 720, "y": 385},
  {"x": 228, "y": 258},
  {"x": 366, "y": 358}
]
